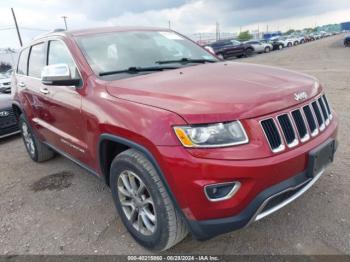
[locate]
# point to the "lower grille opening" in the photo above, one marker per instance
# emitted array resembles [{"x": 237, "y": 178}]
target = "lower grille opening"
[{"x": 281, "y": 198}]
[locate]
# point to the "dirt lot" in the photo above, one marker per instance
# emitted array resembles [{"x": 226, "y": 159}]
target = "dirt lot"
[{"x": 57, "y": 208}]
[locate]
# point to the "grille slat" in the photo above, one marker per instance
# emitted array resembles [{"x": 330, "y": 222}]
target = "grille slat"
[
  {"x": 323, "y": 110},
  {"x": 287, "y": 128},
  {"x": 297, "y": 125},
  {"x": 317, "y": 114},
  {"x": 300, "y": 124},
  {"x": 272, "y": 134}
]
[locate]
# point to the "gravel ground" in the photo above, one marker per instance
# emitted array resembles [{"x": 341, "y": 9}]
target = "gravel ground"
[{"x": 57, "y": 208}]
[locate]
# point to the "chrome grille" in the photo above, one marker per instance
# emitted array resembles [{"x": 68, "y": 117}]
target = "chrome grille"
[{"x": 299, "y": 125}]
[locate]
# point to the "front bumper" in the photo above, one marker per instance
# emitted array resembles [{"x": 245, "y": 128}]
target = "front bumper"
[
  {"x": 265, "y": 203},
  {"x": 8, "y": 123}
]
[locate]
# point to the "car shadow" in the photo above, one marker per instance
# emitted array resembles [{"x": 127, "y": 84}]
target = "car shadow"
[{"x": 9, "y": 139}]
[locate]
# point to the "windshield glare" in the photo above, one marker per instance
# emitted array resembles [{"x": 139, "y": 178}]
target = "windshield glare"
[{"x": 122, "y": 50}]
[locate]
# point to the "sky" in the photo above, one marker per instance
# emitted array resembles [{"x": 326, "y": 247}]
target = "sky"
[{"x": 36, "y": 17}]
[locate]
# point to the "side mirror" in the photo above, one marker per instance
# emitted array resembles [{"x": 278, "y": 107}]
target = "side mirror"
[{"x": 58, "y": 75}]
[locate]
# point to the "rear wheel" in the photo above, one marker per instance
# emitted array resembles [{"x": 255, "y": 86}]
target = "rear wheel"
[
  {"x": 267, "y": 49},
  {"x": 347, "y": 43},
  {"x": 289, "y": 44},
  {"x": 143, "y": 202},
  {"x": 280, "y": 47},
  {"x": 37, "y": 151}
]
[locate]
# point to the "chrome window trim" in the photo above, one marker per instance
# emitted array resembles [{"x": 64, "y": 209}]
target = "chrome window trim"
[{"x": 46, "y": 41}]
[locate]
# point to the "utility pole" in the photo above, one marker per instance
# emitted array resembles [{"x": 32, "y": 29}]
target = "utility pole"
[
  {"x": 169, "y": 23},
  {"x": 18, "y": 33},
  {"x": 217, "y": 31},
  {"x": 65, "y": 21}
]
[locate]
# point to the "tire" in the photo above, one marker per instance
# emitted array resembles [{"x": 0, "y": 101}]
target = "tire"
[
  {"x": 36, "y": 150},
  {"x": 248, "y": 52},
  {"x": 166, "y": 225},
  {"x": 289, "y": 44},
  {"x": 280, "y": 47},
  {"x": 296, "y": 43},
  {"x": 267, "y": 49},
  {"x": 347, "y": 43}
]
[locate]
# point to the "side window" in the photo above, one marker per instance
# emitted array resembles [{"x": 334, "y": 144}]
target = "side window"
[
  {"x": 23, "y": 62},
  {"x": 59, "y": 54},
  {"x": 36, "y": 60}
]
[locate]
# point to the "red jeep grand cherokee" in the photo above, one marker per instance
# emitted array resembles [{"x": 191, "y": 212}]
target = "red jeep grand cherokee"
[{"x": 187, "y": 143}]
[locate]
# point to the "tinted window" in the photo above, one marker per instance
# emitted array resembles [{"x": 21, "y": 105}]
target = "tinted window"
[
  {"x": 59, "y": 54},
  {"x": 36, "y": 60},
  {"x": 23, "y": 62}
]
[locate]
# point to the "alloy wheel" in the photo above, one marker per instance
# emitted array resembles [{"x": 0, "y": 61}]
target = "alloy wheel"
[
  {"x": 137, "y": 203},
  {"x": 28, "y": 139}
]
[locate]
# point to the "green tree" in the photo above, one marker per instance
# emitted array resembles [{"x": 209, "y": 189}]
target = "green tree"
[
  {"x": 244, "y": 36},
  {"x": 290, "y": 31}
]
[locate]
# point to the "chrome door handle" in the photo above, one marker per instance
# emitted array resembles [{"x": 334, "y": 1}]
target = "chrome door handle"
[
  {"x": 44, "y": 90},
  {"x": 21, "y": 84}
]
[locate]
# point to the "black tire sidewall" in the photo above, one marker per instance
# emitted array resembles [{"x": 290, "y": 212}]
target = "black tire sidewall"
[
  {"x": 158, "y": 240},
  {"x": 22, "y": 119}
]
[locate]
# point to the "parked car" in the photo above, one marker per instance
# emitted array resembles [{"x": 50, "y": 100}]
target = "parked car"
[
  {"x": 277, "y": 44},
  {"x": 8, "y": 121},
  {"x": 287, "y": 42},
  {"x": 228, "y": 48},
  {"x": 347, "y": 40},
  {"x": 187, "y": 143},
  {"x": 5, "y": 82},
  {"x": 260, "y": 46}
]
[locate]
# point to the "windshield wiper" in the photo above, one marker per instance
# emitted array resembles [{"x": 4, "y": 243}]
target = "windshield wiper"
[
  {"x": 186, "y": 61},
  {"x": 135, "y": 70}
]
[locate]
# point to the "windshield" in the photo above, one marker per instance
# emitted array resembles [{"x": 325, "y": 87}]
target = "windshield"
[{"x": 120, "y": 51}]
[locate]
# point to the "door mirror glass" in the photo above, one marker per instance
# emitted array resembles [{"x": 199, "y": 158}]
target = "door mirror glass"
[{"x": 58, "y": 75}]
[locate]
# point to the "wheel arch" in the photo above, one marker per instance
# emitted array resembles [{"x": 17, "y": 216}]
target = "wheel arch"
[{"x": 125, "y": 144}]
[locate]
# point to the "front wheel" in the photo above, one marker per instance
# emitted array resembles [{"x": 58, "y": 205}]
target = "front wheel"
[
  {"x": 267, "y": 49},
  {"x": 249, "y": 52},
  {"x": 221, "y": 56},
  {"x": 143, "y": 202}
]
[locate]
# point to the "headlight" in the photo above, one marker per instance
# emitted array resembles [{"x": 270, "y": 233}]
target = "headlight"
[{"x": 212, "y": 135}]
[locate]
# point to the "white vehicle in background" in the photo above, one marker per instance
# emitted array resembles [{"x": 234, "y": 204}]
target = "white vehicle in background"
[
  {"x": 260, "y": 46},
  {"x": 5, "y": 81},
  {"x": 287, "y": 42}
]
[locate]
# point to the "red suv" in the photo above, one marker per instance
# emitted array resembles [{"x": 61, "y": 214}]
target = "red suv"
[{"x": 187, "y": 143}]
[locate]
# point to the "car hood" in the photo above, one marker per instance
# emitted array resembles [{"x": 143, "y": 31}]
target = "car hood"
[
  {"x": 5, "y": 101},
  {"x": 216, "y": 92}
]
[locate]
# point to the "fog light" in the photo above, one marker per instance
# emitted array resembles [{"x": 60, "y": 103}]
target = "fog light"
[{"x": 222, "y": 191}]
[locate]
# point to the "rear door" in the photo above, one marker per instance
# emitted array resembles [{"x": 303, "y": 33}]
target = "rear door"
[{"x": 34, "y": 98}]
